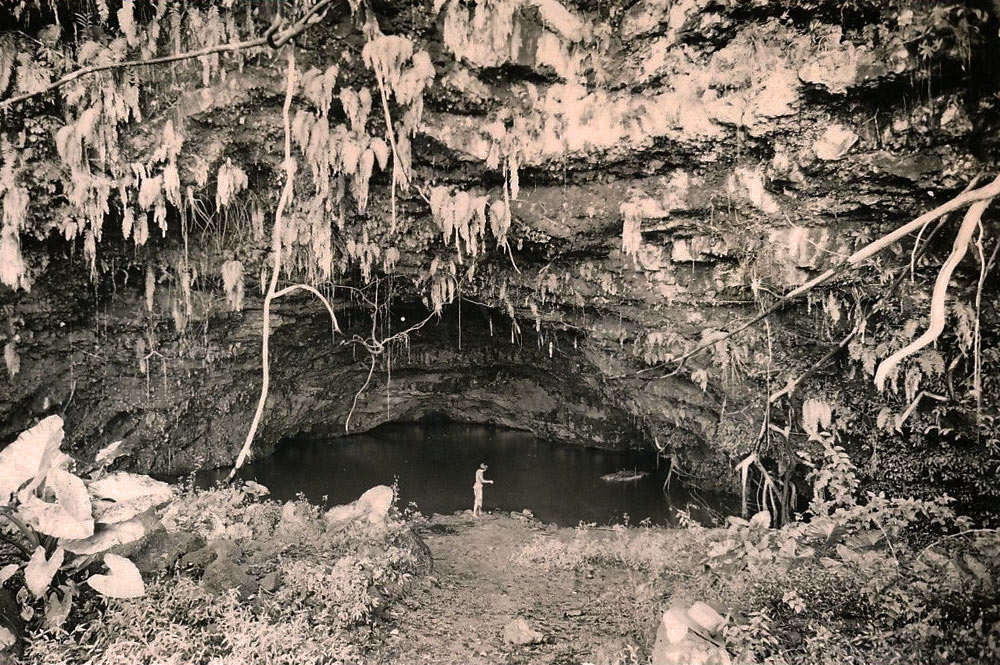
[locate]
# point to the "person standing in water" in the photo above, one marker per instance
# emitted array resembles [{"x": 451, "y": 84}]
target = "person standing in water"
[{"x": 477, "y": 490}]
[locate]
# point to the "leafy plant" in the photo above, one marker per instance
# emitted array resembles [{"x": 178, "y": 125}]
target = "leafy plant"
[
  {"x": 61, "y": 523},
  {"x": 331, "y": 586}
]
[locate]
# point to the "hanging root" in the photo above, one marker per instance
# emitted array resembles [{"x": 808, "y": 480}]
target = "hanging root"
[
  {"x": 315, "y": 292},
  {"x": 354, "y": 404},
  {"x": 276, "y": 232},
  {"x": 938, "y": 312}
]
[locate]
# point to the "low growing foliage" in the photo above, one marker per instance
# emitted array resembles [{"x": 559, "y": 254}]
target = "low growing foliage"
[{"x": 333, "y": 584}]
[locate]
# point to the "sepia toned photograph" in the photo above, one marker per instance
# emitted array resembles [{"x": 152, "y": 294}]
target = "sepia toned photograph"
[{"x": 500, "y": 332}]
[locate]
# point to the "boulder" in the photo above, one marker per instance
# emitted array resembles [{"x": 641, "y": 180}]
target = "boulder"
[
  {"x": 519, "y": 633},
  {"x": 376, "y": 502},
  {"x": 682, "y": 640},
  {"x": 224, "y": 574},
  {"x": 162, "y": 549},
  {"x": 372, "y": 506}
]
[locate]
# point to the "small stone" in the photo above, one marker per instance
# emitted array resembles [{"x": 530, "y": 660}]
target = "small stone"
[
  {"x": 271, "y": 582},
  {"x": 519, "y": 633}
]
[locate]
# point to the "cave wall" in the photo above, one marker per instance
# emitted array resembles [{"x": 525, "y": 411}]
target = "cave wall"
[
  {"x": 183, "y": 401},
  {"x": 679, "y": 162}
]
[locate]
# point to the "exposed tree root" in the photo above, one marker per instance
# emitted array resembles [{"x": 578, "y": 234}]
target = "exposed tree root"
[
  {"x": 972, "y": 196},
  {"x": 938, "y": 311},
  {"x": 276, "y": 233}
]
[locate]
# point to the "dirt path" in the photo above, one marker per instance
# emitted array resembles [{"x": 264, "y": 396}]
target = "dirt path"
[{"x": 459, "y": 616}]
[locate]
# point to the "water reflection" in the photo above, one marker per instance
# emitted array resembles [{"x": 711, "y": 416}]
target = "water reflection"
[{"x": 435, "y": 464}]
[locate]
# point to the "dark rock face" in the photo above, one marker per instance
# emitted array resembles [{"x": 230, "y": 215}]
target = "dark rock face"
[
  {"x": 192, "y": 405},
  {"x": 678, "y": 162}
]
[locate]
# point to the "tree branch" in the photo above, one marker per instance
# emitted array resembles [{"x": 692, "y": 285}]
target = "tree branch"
[
  {"x": 965, "y": 198},
  {"x": 270, "y": 38}
]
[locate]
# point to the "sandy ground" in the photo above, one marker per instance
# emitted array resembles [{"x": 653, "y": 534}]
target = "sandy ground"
[{"x": 458, "y": 615}]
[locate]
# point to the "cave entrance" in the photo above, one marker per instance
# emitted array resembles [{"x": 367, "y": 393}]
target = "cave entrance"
[{"x": 434, "y": 461}]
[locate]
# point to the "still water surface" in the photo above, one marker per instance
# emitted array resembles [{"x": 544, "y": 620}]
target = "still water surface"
[{"x": 435, "y": 463}]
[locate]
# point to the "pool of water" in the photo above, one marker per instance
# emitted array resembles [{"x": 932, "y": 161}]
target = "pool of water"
[{"x": 434, "y": 464}]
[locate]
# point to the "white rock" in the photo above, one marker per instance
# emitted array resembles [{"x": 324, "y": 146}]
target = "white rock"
[
  {"x": 836, "y": 142},
  {"x": 677, "y": 644},
  {"x": 519, "y": 633},
  {"x": 373, "y": 506},
  {"x": 705, "y": 616},
  {"x": 375, "y": 503}
]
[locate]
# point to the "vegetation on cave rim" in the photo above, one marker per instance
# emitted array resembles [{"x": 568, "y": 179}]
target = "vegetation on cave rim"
[{"x": 96, "y": 161}]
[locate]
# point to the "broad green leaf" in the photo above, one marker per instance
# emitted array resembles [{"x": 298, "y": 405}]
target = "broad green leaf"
[
  {"x": 52, "y": 519},
  {"x": 39, "y": 572},
  {"x": 122, "y": 581},
  {"x": 121, "y": 496},
  {"x": 8, "y": 572},
  {"x": 57, "y": 609},
  {"x": 20, "y": 461},
  {"x": 71, "y": 493},
  {"x": 106, "y": 537}
]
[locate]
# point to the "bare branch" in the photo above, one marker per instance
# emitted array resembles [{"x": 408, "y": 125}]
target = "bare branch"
[{"x": 271, "y": 38}]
